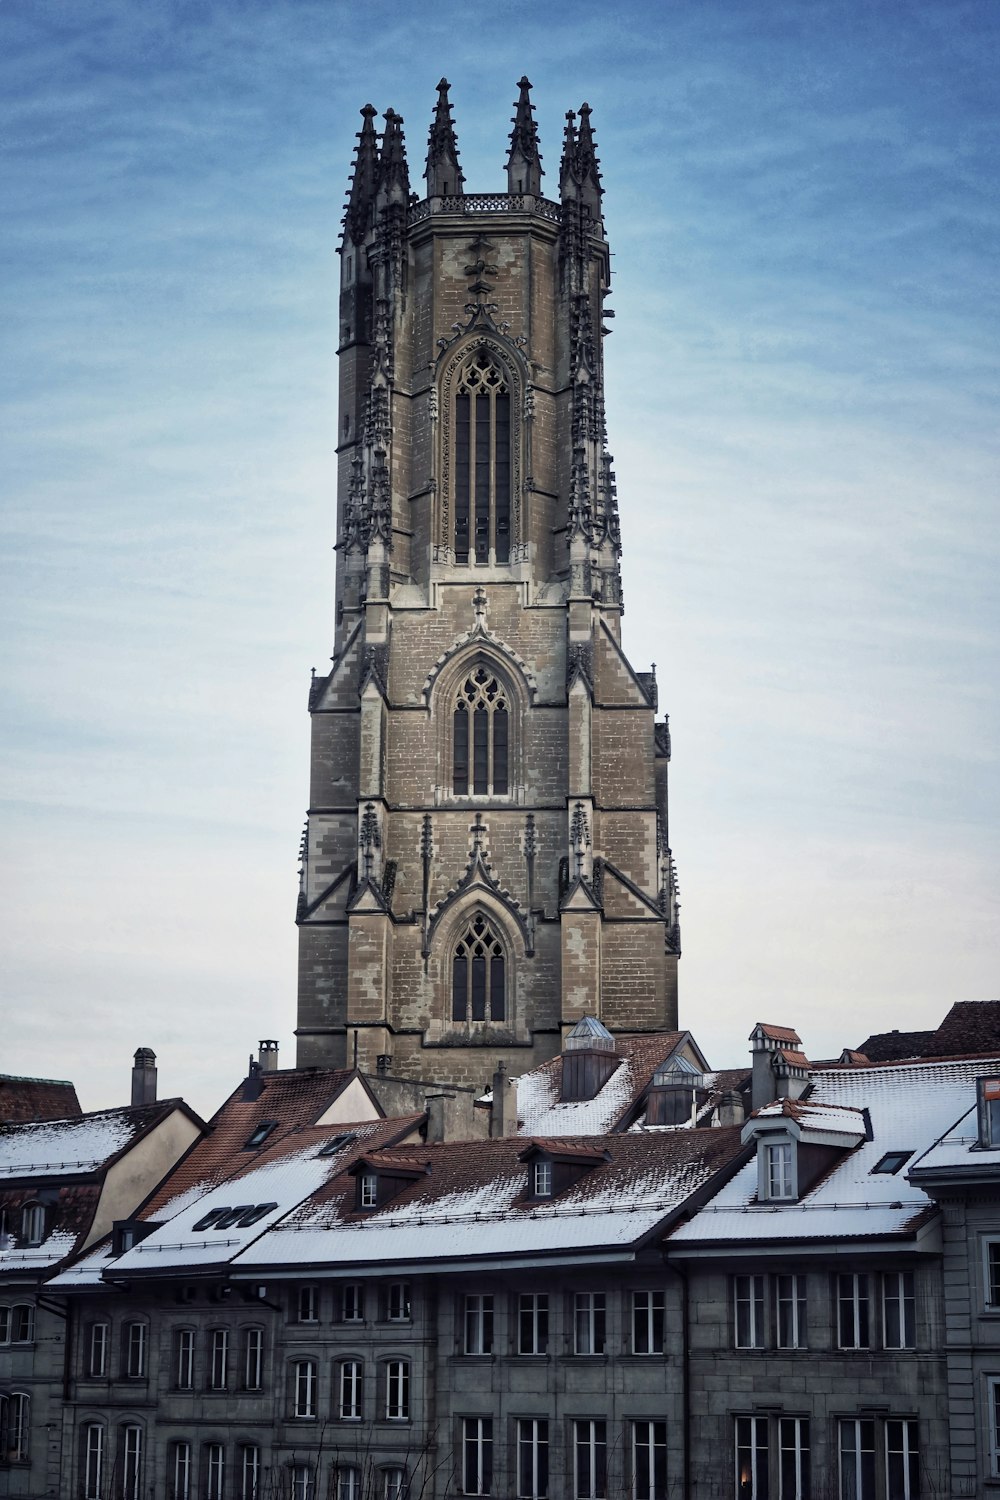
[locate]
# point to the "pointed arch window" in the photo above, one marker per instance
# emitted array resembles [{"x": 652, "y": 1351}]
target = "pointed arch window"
[
  {"x": 482, "y": 462},
  {"x": 481, "y": 737},
  {"x": 479, "y": 975}
]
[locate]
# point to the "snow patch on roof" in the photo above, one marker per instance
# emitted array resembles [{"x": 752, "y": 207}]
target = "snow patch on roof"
[
  {"x": 36, "y": 1257},
  {"x": 64, "y": 1148},
  {"x": 542, "y": 1112}
]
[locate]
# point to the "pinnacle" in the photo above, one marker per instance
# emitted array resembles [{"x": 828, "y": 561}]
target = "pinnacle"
[
  {"x": 443, "y": 173},
  {"x": 524, "y": 160}
]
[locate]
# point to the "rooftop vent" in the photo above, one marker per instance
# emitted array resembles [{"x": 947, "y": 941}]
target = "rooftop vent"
[{"x": 673, "y": 1091}]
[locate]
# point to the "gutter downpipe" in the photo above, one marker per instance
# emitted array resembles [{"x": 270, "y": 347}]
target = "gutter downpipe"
[{"x": 686, "y": 1369}]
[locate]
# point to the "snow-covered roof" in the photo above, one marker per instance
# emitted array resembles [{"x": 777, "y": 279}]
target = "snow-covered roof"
[
  {"x": 541, "y": 1110},
  {"x": 474, "y": 1204},
  {"x": 910, "y": 1106},
  {"x": 67, "y": 1148}
]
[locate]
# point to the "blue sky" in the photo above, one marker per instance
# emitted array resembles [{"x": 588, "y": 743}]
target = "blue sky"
[{"x": 803, "y": 397}]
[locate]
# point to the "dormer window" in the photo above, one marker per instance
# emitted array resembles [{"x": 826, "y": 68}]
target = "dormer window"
[
  {"x": 777, "y": 1171},
  {"x": 542, "y": 1179},
  {"x": 673, "y": 1092},
  {"x": 368, "y": 1190},
  {"x": 988, "y": 1101},
  {"x": 33, "y": 1223}
]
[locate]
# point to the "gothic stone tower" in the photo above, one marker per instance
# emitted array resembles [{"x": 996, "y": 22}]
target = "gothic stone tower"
[{"x": 486, "y": 858}]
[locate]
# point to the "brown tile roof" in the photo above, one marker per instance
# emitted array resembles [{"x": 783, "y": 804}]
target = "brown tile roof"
[
  {"x": 894, "y": 1046},
  {"x": 37, "y": 1099},
  {"x": 293, "y": 1097},
  {"x": 644, "y": 1054},
  {"x": 971, "y": 1026},
  {"x": 778, "y": 1033},
  {"x": 625, "y": 1163},
  {"x": 794, "y": 1058}
]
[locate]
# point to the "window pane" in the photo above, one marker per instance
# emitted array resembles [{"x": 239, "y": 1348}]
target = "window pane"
[
  {"x": 500, "y": 727},
  {"x": 498, "y": 1008},
  {"x": 481, "y": 751},
  {"x": 462, "y": 489},
  {"x": 482, "y": 478},
  {"x": 459, "y": 988},
  {"x": 502, "y": 477}
]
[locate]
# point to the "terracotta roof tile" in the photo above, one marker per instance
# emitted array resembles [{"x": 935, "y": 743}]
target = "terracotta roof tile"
[
  {"x": 778, "y": 1033},
  {"x": 37, "y": 1099}
]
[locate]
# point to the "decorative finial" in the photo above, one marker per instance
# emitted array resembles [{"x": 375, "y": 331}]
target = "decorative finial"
[
  {"x": 524, "y": 160},
  {"x": 393, "y": 174},
  {"x": 444, "y": 175},
  {"x": 364, "y": 178}
]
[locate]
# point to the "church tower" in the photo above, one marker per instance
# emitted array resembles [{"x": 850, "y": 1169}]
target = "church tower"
[{"x": 486, "y": 856}]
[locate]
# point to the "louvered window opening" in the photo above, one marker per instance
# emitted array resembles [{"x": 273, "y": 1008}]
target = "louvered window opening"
[
  {"x": 482, "y": 463},
  {"x": 481, "y": 737},
  {"x": 478, "y": 990}
]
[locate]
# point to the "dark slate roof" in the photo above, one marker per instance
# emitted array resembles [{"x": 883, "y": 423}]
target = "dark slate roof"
[
  {"x": 894, "y": 1046},
  {"x": 970, "y": 1026},
  {"x": 36, "y": 1099}
]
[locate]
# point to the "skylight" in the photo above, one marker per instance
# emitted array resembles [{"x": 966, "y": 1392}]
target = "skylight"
[
  {"x": 240, "y": 1217},
  {"x": 892, "y": 1161},
  {"x": 337, "y": 1143},
  {"x": 260, "y": 1135}
]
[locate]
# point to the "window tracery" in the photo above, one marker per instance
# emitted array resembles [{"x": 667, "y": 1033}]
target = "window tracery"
[
  {"x": 482, "y": 461},
  {"x": 481, "y": 736},
  {"x": 479, "y": 975}
]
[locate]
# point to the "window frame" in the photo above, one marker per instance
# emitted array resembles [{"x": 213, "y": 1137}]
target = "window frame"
[
  {"x": 478, "y": 1323},
  {"x": 991, "y": 1273},
  {"x": 749, "y": 1293},
  {"x": 33, "y": 1224},
  {"x": 135, "y": 1350},
  {"x": 992, "y": 1425},
  {"x": 864, "y": 1479},
  {"x": 307, "y": 1303},
  {"x": 132, "y": 1444},
  {"x": 304, "y": 1376},
  {"x": 15, "y": 1427},
  {"x": 350, "y": 1390},
  {"x": 648, "y": 1479},
  {"x": 904, "y": 1297},
  {"x": 777, "y": 1176},
  {"x": 250, "y": 1456},
  {"x": 184, "y": 1359},
  {"x": 859, "y": 1306},
  {"x": 480, "y": 981},
  {"x": 98, "y": 1349},
  {"x": 649, "y": 1325},
  {"x": 798, "y": 1310},
  {"x": 397, "y": 1390},
  {"x": 93, "y": 1460},
  {"x": 590, "y": 1324},
  {"x": 181, "y": 1469},
  {"x": 477, "y": 1455},
  {"x": 215, "y": 1470},
  {"x": 531, "y": 1443},
  {"x": 252, "y": 1357},
  {"x": 355, "y": 1290},
  {"x": 533, "y": 1318},
  {"x": 218, "y": 1360},
  {"x": 398, "y": 1302},
  {"x": 590, "y": 1444}
]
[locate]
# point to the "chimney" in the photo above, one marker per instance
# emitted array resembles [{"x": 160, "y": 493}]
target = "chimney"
[
  {"x": 731, "y": 1111},
  {"x": 766, "y": 1043},
  {"x": 268, "y": 1056},
  {"x": 144, "y": 1077},
  {"x": 503, "y": 1116},
  {"x": 252, "y": 1086},
  {"x": 441, "y": 1118}
]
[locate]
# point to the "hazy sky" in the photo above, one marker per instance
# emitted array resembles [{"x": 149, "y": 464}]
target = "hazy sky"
[{"x": 803, "y": 400}]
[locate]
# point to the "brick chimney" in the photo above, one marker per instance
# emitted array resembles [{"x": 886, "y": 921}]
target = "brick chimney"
[{"x": 144, "y": 1077}]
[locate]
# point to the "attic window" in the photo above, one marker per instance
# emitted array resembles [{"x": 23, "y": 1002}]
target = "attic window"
[
  {"x": 368, "y": 1190},
  {"x": 776, "y": 1171},
  {"x": 33, "y": 1223},
  {"x": 240, "y": 1217},
  {"x": 260, "y": 1135},
  {"x": 892, "y": 1161},
  {"x": 988, "y": 1102},
  {"x": 337, "y": 1143},
  {"x": 542, "y": 1179}
]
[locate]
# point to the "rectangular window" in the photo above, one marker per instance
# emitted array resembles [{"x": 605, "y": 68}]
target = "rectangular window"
[
  {"x": 184, "y": 1359},
  {"x": 397, "y": 1390},
  {"x": 752, "y": 1467},
  {"x": 393, "y": 1484},
  {"x": 15, "y": 1418},
  {"x": 649, "y": 1461},
  {"x": 748, "y": 1310},
  {"x": 993, "y": 1423},
  {"x": 790, "y": 1311},
  {"x": 307, "y": 1304},
  {"x": 253, "y": 1359},
  {"x": 215, "y": 1472},
  {"x": 902, "y": 1460},
  {"x": 351, "y": 1379},
  {"x": 991, "y": 1273},
  {"x": 857, "y": 1459},
  {"x": 794, "y": 1477},
  {"x": 649, "y": 1313},
  {"x": 543, "y": 1179},
  {"x": 899, "y": 1316},
  {"x": 589, "y": 1323},
  {"x": 533, "y": 1323},
  {"x": 97, "y": 1354},
  {"x": 590, "y": 1460},
  {"x": 988, "y": 1104},
  {"x": 463, "y": 449},
  {"x": 478, "y": 1324},
  {"x": 779, "y": 1178},
  {"x": 352, "y": 1302},
  {"x": 4, "y": 1325},
  {"x": 303, "y": 1484},
  {"x": 219, "y": 1368},
  {"x": 482, "y": 473},
  {"x": 131, "y": 1463},
  {"x": 135, "y": 1351},
  {"x": 304, "y": 1388},
  {"x": 477, "y": 1455},
  {"x": 22, "y": 1323},
  {"x": 398, "y": 1302},
  {"x": 93, "y": 1461},
  {"x": 532, "y": 1458},
  {"x": 250, "y": 1472},
  {"x": 502, "y": 478},
  {"x": 480, "y": 777},
  {"x": 180, "y": 1471},
  {"x": 852, "y": 1311},
  {"x": 368, "y": 1190}
]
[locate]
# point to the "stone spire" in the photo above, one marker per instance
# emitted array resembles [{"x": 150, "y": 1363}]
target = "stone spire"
[
  {"x": 362, "y": 189},
  {"x": 443, "y": 173},
  {"x": 393, "y": 175},
  {"x": 524, "y": 161},
  {"x": 579, "y": 169}
]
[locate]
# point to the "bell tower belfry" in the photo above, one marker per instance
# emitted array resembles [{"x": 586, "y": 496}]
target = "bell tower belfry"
[{"x": 486, "y": 855}]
